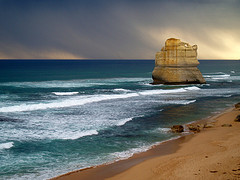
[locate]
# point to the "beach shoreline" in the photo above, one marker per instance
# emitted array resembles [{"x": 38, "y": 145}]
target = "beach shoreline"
[{"x": 123, "y": 169}]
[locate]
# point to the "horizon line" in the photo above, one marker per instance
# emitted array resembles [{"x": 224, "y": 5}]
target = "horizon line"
[{"x": 103, "y": 59}]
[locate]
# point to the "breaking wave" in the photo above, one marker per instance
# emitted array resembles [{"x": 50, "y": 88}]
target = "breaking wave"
[
  {"x": 183, "y": 102},
  {"x": 64, "y": 93},
  {"x": 192, "y": 88},
  {"x": 124, "y": 121},
  {"x": 162, "y": 130},
  {"x": 216, "y": 76},
  {"x": 129, "y": 153},
  {"x": 81, "y": 100},
  {"x": 6, "y": 145},
  {"x": 220, "y": 76},
  {"x": 76, "y": 135},
  {"x": 65, "y": 103},
  {"x": 164, "y": 91},
  {"x": 121, "y": 90}
]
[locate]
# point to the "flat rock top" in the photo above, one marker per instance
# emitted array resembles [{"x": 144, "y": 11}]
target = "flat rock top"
[{"x": 173, "y": 44}]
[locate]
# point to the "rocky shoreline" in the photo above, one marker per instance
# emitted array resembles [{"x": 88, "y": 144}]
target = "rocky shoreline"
[{"x": 196, "y": 127}]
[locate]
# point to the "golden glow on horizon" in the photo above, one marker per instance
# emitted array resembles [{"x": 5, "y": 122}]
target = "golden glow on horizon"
[
  {"x": 217, "y": 44},
  {"x": 221, "y": 45},
  {"x": 58, "y": 54},
  {"x": 50, "y": 54}
]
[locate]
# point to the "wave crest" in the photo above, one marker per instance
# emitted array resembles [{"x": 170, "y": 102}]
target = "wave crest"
[
  {"x": 65, "y": 93},
  {"x": 81, "y": 100},
  {"x": 76, "y": 135},
  {"x": 7, "y": 145},
  {"x": 124, "y": 121},
  {"x": 122, "y": 90}
]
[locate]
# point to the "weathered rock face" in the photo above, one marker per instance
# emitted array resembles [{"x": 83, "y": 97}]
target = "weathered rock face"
[{"x": 177, "y": 63}]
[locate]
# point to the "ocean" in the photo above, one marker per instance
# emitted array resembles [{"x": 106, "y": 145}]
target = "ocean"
[{"x": 62, "y": 115}]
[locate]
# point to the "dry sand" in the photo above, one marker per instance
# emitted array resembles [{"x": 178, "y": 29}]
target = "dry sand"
[{"x": 214, "y": 153}]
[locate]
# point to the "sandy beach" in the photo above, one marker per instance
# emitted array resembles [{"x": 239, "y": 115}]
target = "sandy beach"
[{"x": 214, "y": 153}]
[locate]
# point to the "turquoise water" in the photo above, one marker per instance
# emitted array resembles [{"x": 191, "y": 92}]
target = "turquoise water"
[{"x": 62, "y": 115}]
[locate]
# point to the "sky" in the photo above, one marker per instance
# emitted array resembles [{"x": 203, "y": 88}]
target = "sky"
[{"x": 117, "y": 29}]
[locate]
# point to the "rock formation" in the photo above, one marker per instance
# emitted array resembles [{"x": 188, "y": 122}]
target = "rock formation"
[
  {"x": 177, "y": 128},
  {"x": 226, "y": 125},
  {"x": 237, "y": 106},
  {"x": 195, "y": 127},
  {"x": 237, "y": 119},
  {"x": 177, "y": 63}
]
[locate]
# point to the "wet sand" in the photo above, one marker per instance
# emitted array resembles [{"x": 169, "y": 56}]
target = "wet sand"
[{"x": 214, "y": 153}]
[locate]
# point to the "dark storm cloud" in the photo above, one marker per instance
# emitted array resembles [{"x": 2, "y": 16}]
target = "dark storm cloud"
[{"x": 113, "y": 29}]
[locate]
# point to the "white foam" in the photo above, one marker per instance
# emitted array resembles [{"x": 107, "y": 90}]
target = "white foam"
[
  {"x": 222, "y": 77},
  {"x": 184, "y": 102},
  {"x": 168, "y": 91},
  {"x": 227, "y": 96},
  {"x": 164, "y": 130},
  {"x": 188, "y": 102},
  {"x": 194, "y": 88},
  {"x": 6, "y": 145},
  {"x": 225, "y": 75},
  {"x": 76, "y": 135},
  {"x": 81, "y": 100},
  {"x": 128, "y": 153},
  {"x": 123, "y": 121},
  {"x": 122, "y": 90},
  {"x": 161, "y": 91},
  {"x": 204, "y": 85},
  {"x": 149, "y": 84},
  {"x": 216, "y": 76},
  {"x": 128, "y": 79},
  {"x": 64, "y": 93}
]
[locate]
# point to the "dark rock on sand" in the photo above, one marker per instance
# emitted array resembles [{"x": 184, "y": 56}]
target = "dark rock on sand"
[
  {"x": 237, "y": 106},
  {"x": 208, "y": 125},
  {"x": 213, "y": 171},
  {"x": 237, "y": 119},
  {"x": 226, "y": 125},
  {"x": 177, "y": 128},
  {"x": 195, "y": 127}
]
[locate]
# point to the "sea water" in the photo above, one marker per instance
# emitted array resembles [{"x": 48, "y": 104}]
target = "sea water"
[{"x": 61, "y": 115}]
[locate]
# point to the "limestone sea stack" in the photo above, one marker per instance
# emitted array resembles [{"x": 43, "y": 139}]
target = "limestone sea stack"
[{"x": 177, "y": 63}]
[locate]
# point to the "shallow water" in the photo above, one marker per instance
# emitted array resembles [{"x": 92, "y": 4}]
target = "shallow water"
[{"x": 58, "y": 116}]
